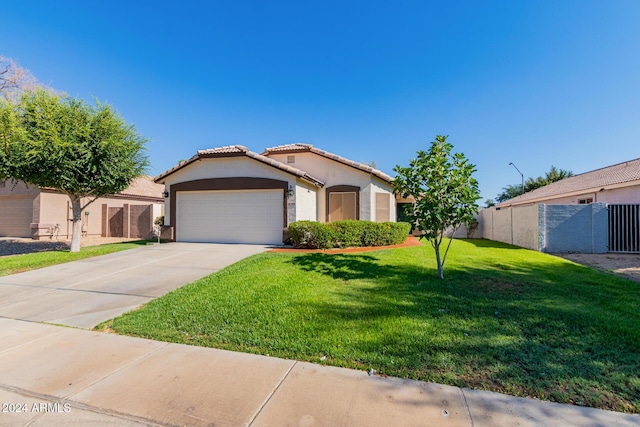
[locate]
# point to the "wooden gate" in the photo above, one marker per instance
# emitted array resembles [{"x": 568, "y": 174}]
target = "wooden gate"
[
  {"x": 140, "y": 221},
  {"x": 624, "y": 228},
  {"x": 116, "y": 217}
]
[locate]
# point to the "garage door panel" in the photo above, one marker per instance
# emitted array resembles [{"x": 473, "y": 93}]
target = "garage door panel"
[
  {"x": 246, "y": 216},
  {"x": 16, "y": 214}
]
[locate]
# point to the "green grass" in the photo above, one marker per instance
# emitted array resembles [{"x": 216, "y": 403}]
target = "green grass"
[
  {"x": 25, "y": 262},
  {"x": 504, "y": 319}
]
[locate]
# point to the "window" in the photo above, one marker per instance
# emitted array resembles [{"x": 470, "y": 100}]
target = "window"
[
  {"x": 585, "y": 201},
  {"x": 291, "y": 159},
  {"x": 342, "y": 205},
  {"x": 342, "y": 202},
  {"x": 382, "y": 207}
]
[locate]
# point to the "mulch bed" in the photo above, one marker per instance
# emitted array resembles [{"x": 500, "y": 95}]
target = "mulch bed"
[{"x": 411, "y": 241}]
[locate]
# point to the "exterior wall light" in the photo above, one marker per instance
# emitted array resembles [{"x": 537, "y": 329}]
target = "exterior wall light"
[{"x": 290, "y": 191}]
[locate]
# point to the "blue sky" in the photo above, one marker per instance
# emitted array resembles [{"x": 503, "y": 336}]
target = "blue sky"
[{"x": 536, "y": 83}]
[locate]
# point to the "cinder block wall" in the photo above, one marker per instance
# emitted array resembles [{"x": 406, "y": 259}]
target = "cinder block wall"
[
  {"x": 549, "y": 228},
  {"x": 575, "y": 228}
]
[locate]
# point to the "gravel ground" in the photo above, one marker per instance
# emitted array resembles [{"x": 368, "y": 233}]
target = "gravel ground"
[
  {"x": 626, "y": 265},
  {"x": 17, "y": 246}
]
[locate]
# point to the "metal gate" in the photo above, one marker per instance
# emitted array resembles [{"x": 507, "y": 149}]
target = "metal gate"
[{"x": 624, "y": 228}]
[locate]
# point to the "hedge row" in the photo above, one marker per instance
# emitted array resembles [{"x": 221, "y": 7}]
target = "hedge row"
[{"x": 348, "y": 233}]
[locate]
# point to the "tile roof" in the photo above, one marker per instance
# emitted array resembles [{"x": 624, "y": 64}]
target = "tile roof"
[
  {"x": 225, "y": 149},
  {"x": 300, "y": 147},
  {"x": 618, "y": 174},
  {"x": 241, "y": 150},
  {"x": 144, "y": 186}
]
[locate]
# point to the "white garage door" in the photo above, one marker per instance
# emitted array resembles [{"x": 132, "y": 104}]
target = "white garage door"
[{"x": 237, "y": 216}]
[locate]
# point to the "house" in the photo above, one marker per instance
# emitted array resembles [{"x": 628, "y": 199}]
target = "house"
[
  {"x": 29, "y": 211},
  {"x": 594, "y": 212},
  {"x": 233, "y": 195},
  {"x": 617, "y": 184}
]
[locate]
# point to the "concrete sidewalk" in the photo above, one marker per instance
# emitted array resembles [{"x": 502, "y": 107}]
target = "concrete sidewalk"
[{"x": 56, "y": 376}]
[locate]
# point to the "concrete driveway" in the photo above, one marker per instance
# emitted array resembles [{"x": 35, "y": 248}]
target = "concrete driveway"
[{"x": 87, "y": 292}]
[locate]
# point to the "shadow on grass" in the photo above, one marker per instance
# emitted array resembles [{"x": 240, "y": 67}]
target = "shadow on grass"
[{"x": 554, "y": 330}]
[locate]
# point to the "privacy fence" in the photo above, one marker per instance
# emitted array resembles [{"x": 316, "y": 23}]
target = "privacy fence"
[{"x": 552, "y": 228}]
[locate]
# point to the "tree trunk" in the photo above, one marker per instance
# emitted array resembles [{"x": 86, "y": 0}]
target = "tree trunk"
[
  {"x": 77, "y": 223},
  {"x": 439, "y": 261}
]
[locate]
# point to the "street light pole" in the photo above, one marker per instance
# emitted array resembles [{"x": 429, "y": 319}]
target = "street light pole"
[{"x": 521, "y": 175}]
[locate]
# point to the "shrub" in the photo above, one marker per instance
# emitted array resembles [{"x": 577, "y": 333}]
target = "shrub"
[
  {"x": 348, "y": 233},
  {"x": 310, "y": 234}
]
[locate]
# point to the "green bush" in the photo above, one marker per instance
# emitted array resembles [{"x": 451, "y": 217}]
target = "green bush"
[
  {"x": 348, "y": 233},
  {"x": 310, "y": 234}
]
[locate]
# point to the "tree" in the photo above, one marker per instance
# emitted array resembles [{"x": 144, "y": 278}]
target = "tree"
[
  {"x": 82, "y": 150},
  {"x": 554, "y": 174},
  {"x": 444, "y": 191},
  {"x": 14, "y": 80},
  {"x": 489, "y": 203},
  {"x": 509, "y": 192}
]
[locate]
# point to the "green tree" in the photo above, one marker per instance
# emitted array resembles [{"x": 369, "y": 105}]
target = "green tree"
[
  {"x": 444, "y": 190},
  {"x": 511, "y": 191},
  {"x": 85, "y": 151}
]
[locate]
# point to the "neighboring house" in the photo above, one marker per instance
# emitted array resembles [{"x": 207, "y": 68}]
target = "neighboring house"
[
  {"x": 29, "y": 211},
  {"x": 233, "y": 195},
  {"x": 617, "y": 184}
]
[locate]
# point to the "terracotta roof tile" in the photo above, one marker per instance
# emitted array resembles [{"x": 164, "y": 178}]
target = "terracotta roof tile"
[
  {"x": 225, "y": 150},
  {"x": 231, "y": 149},
  {"x": 145, "y": 187},
  {"x": 298, "y": 146},
  {"x": 594, "y": 180}
]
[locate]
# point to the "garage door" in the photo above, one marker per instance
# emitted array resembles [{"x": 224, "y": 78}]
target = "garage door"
[
  {"x": 238, "y": 216},
  {"x": 16, "y": 214}
]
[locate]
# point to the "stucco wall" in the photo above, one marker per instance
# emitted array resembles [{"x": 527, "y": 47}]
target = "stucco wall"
[
  {"x": 516, "y": 226},
  {"x": 525, "y": 227},
  {"x": 336, "y": 173},
  {"x": 305, "y": 204},
  {"x": 502, "y": 226},
  {"x": 628, "y": 195},
  {"x": 379, "y": 186},
  {"x": 226, "y": 167}
]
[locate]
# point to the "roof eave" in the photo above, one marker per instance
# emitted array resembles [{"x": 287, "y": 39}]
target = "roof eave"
[
  {"x": 160, "y": 178},
  {"x": 589, "y": 190}
]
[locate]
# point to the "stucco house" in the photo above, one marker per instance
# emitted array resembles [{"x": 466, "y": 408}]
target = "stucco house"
[
  {"x": 233, "y": 195},
  {"x": 616, "y": 184},
  {"x": 29, "y": 211}
]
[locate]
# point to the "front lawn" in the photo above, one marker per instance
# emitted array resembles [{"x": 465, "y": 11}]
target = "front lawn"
[
  {"x": 18, "y": 263},
  {"x": 504, "y": 319}
]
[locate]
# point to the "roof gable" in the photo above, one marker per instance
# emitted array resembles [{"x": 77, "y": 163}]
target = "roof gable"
[
  {"x": 301, "y": 148},
  {"x": 240, "y": 151}
]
